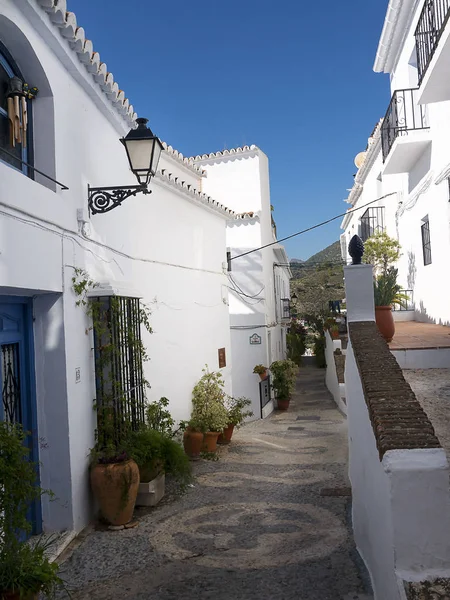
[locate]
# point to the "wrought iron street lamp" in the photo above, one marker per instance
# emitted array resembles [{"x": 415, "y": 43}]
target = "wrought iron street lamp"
[{"x": 143, "y": 151}]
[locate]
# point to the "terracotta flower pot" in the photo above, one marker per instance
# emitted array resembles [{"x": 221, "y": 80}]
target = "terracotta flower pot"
[
  {"x": 192, "y": 442},
  {"x": 115, "y": 487},
  {"x": 225, "y": 436},
  {"x": 263, "y": 375},
  {"x": 334, "y": 335},
  {"x": 283, "y": 404},
  {"x": 210, "y": 441},
  {"x": 385, "y": 322}
]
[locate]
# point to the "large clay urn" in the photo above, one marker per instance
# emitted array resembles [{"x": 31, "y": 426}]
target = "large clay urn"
[
  {"x": 385, "y": 322},
  {"x": 115, "y": 487}
]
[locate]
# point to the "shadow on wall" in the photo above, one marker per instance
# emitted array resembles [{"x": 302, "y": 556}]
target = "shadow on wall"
[
  {"x": 412, "y": 270},
  {"x": 421, "y": 315}
]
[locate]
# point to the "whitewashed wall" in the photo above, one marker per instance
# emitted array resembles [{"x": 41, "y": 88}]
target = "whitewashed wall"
[
  {"x": 168, "y": 246},
  {"x": 256, "y": 285},
  {"x": 400, "y": 503}
]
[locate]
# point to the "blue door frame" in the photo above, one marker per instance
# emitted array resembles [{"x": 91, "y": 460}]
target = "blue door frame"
[{"x": 16, "y": 339}]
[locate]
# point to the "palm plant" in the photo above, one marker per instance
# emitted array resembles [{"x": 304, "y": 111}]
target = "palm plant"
[{"x": 386, "y": 289}]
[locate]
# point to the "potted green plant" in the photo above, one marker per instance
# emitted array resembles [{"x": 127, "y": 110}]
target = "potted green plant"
[
  {"x": 25, "y": 570},
  {"x": 382, "y": 252},
  {"x": 334, "y": 331},
  {"x": 237, "y": 413},
  {"x": 209, "y": 415},
  {"x": 386, "y": 294},
  {"x": 261, "y": 370},
  {"x": 284, "y": 375}
]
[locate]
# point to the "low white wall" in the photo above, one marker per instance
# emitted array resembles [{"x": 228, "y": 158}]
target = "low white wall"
[
  {"x": 331, "y": 379},
  {"x": 428, "y": 358},
  {"x": 371, "y": 512},
  {"x": 400, "y": 316}
]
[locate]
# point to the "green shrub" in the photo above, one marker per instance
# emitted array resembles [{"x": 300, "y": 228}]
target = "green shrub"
[
  {"x": 24, "y": 568},
  {"x": 319, "y": 351},
  {"x": 284, "y": 375}
]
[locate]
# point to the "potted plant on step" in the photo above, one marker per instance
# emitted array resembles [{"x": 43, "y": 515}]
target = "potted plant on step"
[
  {"x": 382, "y": 252},
  {"x": 237, "y": 413},
  {"x": 209, "y": 415},
  {"x": 284, "y": 375},
  {"x": 261, "y": 370},
  {"x": 334, "y": 331},
  {"x": 386, "y": 294},
  {"x": 25, "y": 571}
]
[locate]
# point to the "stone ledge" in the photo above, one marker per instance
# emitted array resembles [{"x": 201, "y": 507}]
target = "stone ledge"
[{"x": 398, "y": 420}]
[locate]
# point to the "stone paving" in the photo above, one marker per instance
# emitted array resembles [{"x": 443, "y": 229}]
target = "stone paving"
[{"x": 270, "y": 519}]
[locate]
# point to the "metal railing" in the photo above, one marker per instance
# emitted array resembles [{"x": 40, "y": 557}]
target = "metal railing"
[
  {"x": 432, "y": 21},
  {"x": 406, "y": 305},
  {"x": 403, "y": 115}
]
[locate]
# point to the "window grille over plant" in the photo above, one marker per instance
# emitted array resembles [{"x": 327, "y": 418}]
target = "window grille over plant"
[{"x": 119, "y": 373}]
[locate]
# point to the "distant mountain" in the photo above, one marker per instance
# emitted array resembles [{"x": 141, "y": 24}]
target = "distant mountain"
[
  {"x": 331, "y": 253},
  {"x": 297, "y": 260}
]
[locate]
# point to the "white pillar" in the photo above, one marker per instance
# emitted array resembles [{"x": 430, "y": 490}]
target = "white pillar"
[{"x": 359, "y": 293}]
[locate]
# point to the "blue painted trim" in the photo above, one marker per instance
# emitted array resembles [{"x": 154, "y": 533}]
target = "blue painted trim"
[{"x": 28, "y": 387}]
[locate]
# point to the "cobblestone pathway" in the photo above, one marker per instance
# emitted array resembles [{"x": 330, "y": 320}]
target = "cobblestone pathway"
[{"x": 259, "y": 523}]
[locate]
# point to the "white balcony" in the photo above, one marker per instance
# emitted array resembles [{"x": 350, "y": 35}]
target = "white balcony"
[
  {"x": 405, "y": 132},
  {"x": 433, "y": 52}
]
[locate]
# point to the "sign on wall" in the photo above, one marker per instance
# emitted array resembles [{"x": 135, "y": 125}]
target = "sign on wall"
[
  {"x": 222, "y": 358},
  {"x": 255, "y": 339}
]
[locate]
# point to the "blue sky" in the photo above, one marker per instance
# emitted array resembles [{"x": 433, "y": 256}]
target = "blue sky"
[{"x": 293, "y": 77}]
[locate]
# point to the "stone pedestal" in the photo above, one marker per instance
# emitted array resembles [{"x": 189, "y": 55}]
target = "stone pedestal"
[{"x": 151, "y": 493}]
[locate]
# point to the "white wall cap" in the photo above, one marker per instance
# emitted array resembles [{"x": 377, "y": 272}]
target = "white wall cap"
[
  {"x": 417, "y": 459},
  {"x": 108, "y": 288}
]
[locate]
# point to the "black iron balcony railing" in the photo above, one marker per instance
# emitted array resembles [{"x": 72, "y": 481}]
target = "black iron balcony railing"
[
  {"x": 372, "y": 221},
  {"x": 403, "y": 115},
  {"x": 432, "y": 21}
]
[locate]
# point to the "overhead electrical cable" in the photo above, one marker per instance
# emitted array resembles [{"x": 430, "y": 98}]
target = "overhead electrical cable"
[{"x": 288, "y": 237}]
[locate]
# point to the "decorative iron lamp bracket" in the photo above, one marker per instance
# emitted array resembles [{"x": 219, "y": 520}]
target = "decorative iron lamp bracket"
[
  {"x": 143, "y": 150},
  {"x": 102, "y": 200}
]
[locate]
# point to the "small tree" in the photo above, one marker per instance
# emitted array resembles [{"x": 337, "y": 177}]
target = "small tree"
[{"x": 382, "y": 252}]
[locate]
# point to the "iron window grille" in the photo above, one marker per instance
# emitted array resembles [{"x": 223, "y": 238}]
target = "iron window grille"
[
  {"x": 10, "y": 381},
  {"x": 431, "y": 24},
  {"x": 372, "y": 222},
  {"x": 426, "y": 242},
  {"x": 403, "y": 115},
  {"x": 119, "y": 373},
  {"x": 285, "y": 308}
]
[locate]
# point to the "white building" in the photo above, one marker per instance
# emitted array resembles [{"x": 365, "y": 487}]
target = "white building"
[
  {"x": 413, "y": 143},
  {"x": 168, "y": 248},
  {"x": 258, "y": 281}
]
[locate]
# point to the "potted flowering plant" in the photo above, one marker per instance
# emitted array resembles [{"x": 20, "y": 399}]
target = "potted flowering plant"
[
  {"x": 237, "y": 413},
  {"x": 209, "y": 417},
  {"x": 260, "y": 370}
]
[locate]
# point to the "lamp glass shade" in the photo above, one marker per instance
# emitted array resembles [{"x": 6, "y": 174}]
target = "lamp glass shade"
[{"x": 143, "y": 151}]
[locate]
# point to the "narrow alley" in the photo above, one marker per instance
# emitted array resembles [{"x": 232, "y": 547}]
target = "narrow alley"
[{"x": 269, "y": 519}]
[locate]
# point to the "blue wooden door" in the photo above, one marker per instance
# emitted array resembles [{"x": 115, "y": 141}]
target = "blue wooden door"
[{"x": 18, "y": 401}]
